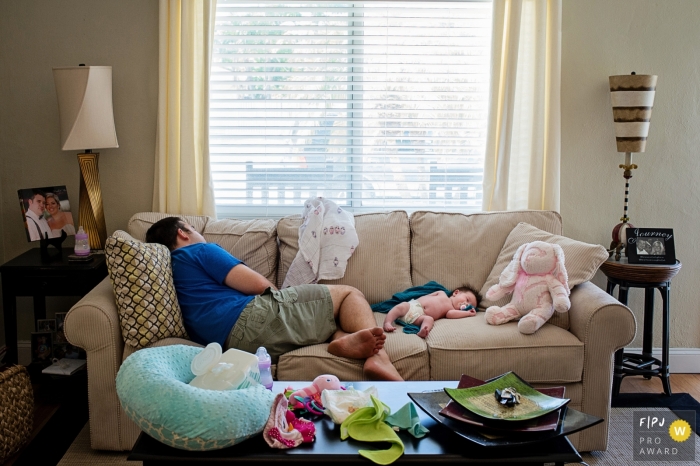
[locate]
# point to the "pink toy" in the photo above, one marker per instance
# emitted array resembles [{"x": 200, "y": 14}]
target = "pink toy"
[
  {"x": 320, "y": 383},
  {"x": 538, "y": 280}
]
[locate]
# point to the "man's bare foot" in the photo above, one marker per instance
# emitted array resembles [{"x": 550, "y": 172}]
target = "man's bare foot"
[
  {"x": 358, "y": 345},
  {"x": 379, "y": 367}
]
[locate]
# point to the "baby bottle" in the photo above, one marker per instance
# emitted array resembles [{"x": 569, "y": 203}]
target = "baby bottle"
[
  {"x": 264, "y": 363},
  {"x": 82, "y": 247}
]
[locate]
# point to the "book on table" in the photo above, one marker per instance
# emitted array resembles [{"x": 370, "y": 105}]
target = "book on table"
[
  {"x": 65, "y": 366},
  {"x": 544, "y": 423}
]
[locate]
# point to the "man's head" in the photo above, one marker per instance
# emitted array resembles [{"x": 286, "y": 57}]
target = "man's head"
[
  {"x": 174, "y": 233},
  {"x": 37, "y": 202},
  {"x": 465, "y": 294}
]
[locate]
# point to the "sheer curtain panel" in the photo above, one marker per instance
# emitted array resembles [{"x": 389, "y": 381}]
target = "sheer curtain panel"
[
  {"x": 523, "y": 149},
  {"x": 183, "y": 182}
]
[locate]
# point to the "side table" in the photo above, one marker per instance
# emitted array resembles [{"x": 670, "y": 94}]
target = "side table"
[
  {"x": 649, "y": 277},
  {"x": 37, "y": 275}
]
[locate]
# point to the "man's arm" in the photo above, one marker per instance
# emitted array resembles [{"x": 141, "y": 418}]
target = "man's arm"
[{"x": 247, "y": 281}]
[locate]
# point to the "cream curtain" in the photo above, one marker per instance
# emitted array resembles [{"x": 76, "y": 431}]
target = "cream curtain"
[
  {"x": 183, "y": 182},
  {"x": 523, "y": 150}
]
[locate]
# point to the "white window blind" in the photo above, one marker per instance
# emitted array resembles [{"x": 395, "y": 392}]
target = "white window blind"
[{"x": 375, "y": 105}]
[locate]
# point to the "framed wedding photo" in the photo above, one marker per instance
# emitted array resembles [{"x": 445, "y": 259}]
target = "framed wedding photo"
[
  {"x": 46, "y": 212},
  {"x": 651, "y": 246}
]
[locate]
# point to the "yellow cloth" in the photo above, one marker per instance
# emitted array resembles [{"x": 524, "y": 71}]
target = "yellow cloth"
[{"x": 367, "y": 425}]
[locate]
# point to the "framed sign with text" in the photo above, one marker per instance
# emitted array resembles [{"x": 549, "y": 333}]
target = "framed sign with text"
[{"x": 651, "y": 246}]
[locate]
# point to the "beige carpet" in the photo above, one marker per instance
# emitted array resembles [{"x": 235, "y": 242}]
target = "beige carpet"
[{"x": 619, "y": 447}]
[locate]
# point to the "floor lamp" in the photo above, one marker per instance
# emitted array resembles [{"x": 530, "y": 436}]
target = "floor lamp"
[
  {"x": 632, "y": 97},
  {"x": 87, "y": 123}
]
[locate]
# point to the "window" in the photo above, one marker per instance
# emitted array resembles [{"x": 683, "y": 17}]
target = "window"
[{"x": 375, "y": 105}]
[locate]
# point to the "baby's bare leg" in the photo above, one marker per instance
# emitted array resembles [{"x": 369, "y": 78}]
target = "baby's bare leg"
[
  {"x": 426, "y": 325},
  {"x": 397, "y": 311}
]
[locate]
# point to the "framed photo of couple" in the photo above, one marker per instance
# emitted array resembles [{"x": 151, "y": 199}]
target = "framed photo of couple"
[
  {"x": 46, "y": 212},
  {"x": 651, "y": 246}
]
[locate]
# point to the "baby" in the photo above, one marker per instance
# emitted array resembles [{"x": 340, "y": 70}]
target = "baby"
[{"x": 425, "y": 310}]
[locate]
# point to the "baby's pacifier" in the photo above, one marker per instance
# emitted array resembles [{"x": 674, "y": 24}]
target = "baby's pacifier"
[{"x": 465, "y": 307}]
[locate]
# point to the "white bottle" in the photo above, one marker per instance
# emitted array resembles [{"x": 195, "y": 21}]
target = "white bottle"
[
  {"x": 264, "y": 363},
  {"x": 82, "y": 245}
]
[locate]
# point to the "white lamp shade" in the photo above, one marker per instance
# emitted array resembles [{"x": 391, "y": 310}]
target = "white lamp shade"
[{"x": 85, "y": 107}]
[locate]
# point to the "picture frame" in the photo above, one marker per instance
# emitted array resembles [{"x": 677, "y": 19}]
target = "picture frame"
[
  {"x": 66, "y": 350},
  {"x": 46, "y": 325},
  {"x": 60, "y": 334},
  {"x": 46, "y": 212},
  {"x": 651, "y": 246},
  {"x": 42, "y": 347}
]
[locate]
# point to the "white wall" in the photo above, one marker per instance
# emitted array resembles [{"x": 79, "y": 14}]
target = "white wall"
[
  {"x": 36, "y": 35},
  {"x": 600, "y": 38},
  {"x": 608, "y": 37}
]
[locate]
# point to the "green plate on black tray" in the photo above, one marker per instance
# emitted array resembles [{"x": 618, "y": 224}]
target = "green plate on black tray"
[{"x": 480, "y": 400}]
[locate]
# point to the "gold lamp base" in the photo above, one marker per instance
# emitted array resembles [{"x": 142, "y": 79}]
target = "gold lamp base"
[{"x": 92, "y": 216}]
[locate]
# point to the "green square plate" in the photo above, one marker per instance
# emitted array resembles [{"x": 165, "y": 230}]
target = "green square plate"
[{"x": 480, "y": 400}]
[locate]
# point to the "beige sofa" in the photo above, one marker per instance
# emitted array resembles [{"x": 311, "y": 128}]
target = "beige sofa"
[{"x": 396, "y": 251}]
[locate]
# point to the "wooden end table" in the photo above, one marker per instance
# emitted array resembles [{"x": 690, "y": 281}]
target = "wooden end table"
[
  {"x": 649, "y": 277},
  {"x": 36, "y": 274}
]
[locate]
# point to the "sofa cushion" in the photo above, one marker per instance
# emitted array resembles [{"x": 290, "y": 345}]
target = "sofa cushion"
[
  {"x": 473, "y": 347},
  {"x": 380, "y": 266},
  {"x": 581, "y": 260},
  {"x": 409, "y": 354},
  {"x": 140, "y": 223},
  {"x": 252, "y": 241},
  {"x": 143, "y": 287},
  {"x": 457, "y": 249}
]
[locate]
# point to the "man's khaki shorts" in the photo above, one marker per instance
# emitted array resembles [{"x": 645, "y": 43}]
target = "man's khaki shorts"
[{"x": 284, "y": 320}]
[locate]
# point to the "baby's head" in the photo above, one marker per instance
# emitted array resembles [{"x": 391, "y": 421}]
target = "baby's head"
[{"x": 465, "y": 296}]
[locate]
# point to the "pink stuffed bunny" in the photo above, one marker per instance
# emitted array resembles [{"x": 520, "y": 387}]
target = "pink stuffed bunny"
[
  {"x": 320, "y": 383},
  {"x": 537, "y": 278}
]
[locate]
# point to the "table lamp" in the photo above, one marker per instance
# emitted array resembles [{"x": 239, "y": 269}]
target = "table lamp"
[
  {"x": 632, "y": 99},
  {"x": 87, "y": 123}
]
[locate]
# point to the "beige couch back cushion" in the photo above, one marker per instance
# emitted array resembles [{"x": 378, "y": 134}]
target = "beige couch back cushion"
[
  {"x": 252, "y": 241},
  {"x": 140, "y": 223},
  {"x": 380, "y": 266},
  {"x": 457, "y": 249}
]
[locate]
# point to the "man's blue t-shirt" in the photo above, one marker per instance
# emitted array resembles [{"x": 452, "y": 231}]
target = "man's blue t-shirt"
[{"x": 210, "y": 308}]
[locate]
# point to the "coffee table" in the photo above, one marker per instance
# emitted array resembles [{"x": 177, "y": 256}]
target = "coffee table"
[{"x": 441, "y": 445}]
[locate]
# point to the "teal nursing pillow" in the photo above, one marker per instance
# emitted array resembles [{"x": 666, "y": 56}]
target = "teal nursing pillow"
[{"x": 153, "y": 388}]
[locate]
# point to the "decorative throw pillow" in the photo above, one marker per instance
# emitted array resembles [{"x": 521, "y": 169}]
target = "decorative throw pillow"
[
  {"x": 142, "y": 279},
  {"x": 581, "y": 260}
]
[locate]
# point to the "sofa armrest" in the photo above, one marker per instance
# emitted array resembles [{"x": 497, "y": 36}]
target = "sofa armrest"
[
  {"x": 604, "y": 325},
  {"x": 599, "y": 318},
  {"x": 93, "y": 324}
]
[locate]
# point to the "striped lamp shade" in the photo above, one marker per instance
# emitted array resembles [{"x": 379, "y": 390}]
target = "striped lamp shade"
[{"x": 632, "y": 98}]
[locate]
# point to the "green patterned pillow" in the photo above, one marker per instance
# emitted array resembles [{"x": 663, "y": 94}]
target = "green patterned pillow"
[{"x": 142, "y": 279}]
